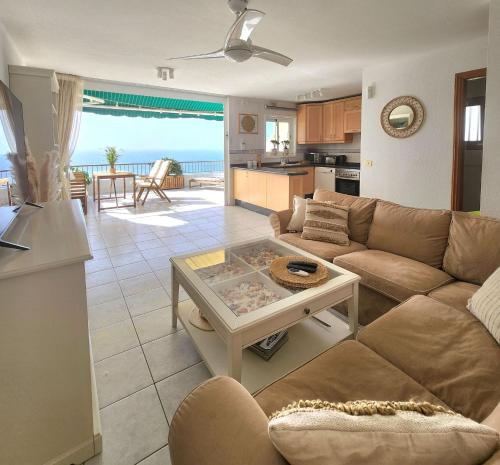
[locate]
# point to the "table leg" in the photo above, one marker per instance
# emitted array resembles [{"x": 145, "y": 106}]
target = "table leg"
[
  {"x": 352, "y": 310},
  {"x": 98, "y": 194},
  {"x": 133, "y": 191},
  {"x": 93, "y": 186},
  {"x": 234, "y": 356},
  {"x": 114, "y": 189},
  {"x": 174, "y": 296},
  {"x": 124, "y": 190}
]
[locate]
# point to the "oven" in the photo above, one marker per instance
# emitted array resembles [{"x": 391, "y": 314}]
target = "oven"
[{"x": 347, "y": 181}]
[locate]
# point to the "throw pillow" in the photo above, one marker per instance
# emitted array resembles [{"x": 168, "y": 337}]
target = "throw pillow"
[
  {"x": 326, "y": 222},
  {"x": 299, "y": 214},
  {"x": 372, "y": 432},
  {"x": 485, "y": 304}
]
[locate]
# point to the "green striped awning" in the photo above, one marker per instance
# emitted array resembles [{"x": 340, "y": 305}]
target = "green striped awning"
[{"x": 144, "y": 106}]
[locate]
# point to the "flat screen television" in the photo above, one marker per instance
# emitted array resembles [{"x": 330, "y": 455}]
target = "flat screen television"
[{"x": 13, "y": 145}]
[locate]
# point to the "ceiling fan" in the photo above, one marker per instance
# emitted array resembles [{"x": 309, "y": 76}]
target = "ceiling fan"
[{"x": 238, "y": 47}]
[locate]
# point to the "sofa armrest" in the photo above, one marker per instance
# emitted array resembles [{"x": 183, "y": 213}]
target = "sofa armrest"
[
  {"x": 279, "y": 221},
  {"x": 221, "y": 423}
]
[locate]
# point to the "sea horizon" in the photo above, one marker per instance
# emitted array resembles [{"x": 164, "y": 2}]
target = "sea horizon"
[{"x": 98, "y": 157}]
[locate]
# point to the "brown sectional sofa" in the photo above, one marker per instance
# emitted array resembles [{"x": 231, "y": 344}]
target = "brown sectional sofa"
[
  {"x": 422, "y": 350},
  {"x": 427, "y": 348},
  {"x": 400, "y": 251}
]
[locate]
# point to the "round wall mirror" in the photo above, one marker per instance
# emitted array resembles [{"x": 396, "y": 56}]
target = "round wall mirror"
[{"x": 402, "y": 117}]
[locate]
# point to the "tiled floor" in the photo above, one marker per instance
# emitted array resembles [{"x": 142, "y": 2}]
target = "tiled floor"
[{"x": 144, "y": 368}]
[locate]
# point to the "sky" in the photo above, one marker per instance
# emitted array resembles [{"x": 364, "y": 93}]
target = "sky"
[{"x": 99, "y": 131}]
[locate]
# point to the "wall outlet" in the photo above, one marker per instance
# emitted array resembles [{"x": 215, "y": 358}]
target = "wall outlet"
[{"x": 368, "y": 163}]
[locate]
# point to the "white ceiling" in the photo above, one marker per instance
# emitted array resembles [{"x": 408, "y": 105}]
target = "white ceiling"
[{"x": 331, "y": 41}]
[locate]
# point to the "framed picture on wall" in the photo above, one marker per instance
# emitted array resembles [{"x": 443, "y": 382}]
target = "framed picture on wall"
[{"x": 248, "y": 123}]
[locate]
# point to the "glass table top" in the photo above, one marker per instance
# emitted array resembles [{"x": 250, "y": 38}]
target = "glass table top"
[{"x": 239, "y": 275}]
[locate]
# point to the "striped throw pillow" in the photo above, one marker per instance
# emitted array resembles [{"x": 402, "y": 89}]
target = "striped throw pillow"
[
  {"x": 485, "y": 304},
  {"x": 326, "y": 222}
]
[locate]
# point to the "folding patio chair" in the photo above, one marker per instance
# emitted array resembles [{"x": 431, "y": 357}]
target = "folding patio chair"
[{"x": 154, "y": 182}]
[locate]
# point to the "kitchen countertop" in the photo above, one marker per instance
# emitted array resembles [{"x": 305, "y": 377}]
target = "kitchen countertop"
[{"x": 286, "y": 171}]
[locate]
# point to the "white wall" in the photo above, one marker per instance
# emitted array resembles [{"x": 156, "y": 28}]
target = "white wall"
[
  {"x": 8, "y": 55},
  {"x": 415, "y": 171},
  {"x": 490, "y": 187}
]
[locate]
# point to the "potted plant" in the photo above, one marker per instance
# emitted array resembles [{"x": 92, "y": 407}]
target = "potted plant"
[
  {"x": 175, "y": 179},
  {"x": 276, "y": 145},
  {"x": 286, "y": 145},
  {"x": 112, "y": 157}
]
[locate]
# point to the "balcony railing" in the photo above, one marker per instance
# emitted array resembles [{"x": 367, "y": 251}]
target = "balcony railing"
[{"x": 142, "y": 169}]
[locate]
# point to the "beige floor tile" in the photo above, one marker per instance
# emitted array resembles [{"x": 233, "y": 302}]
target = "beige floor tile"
[
  {"x": 137, "y": 284},
  {"x": 98, "y": 264},
  {"x": 151, "y": 244},
  {"x": 154, "y": 325},
  {"x": 121, "y": 375},
  {"x": 100, "y": 277},
  {"x": 161, "y": 251},
  {"x": 147, "y": 301},
  {"x": 107, "y": 313},
  {"x": 132, "y": 269},
  {"x": 170, "y": 355},
  {"x": 159, "y": 263},
  {"x": 122, "y": 249},
  {"x": 102, "y": 253},
  {"x": 103, "y": 293},
  {"x": 113, "y": 339},
  {"x": 132, "y": 429},
  {"x": 126, "y": 259},
  {"x": 174, "y": 389},
  {"x": 161, "y": 457}
]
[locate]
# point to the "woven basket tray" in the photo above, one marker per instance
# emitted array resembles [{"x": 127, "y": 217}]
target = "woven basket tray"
[{"x": 280, "y": 274}]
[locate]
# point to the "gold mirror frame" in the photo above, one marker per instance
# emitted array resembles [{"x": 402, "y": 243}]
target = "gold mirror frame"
[{"x": 419, "y": 115}]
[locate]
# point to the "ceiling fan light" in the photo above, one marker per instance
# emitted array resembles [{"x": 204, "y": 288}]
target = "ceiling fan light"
[{"x": 238, "y": 54}]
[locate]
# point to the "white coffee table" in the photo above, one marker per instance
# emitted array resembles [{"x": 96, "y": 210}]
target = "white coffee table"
[{"x": 213, "y": 279}]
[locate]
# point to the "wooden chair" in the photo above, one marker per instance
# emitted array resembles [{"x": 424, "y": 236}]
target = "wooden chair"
[
  {"x": 78, "y": 188},
  {"x": 5, "y": 184},
  {"x": 154, "y": 183}
]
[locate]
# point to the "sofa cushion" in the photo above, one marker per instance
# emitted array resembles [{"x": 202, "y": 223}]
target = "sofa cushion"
[
  {"x": 394, "y": 276},
  {"x": 456, "y": 294},
  {"x": 410, "y": 232},
  {"x": 325, "y": 250},
  {"x": 473, "y": 252},
  {"x": 347, "y": 371},
  {"x": 360, "y": 211},
  {"x": 447, "y": 351},
  {"x": 373, "y": 432},
  {"x": 326, "y": 222}
]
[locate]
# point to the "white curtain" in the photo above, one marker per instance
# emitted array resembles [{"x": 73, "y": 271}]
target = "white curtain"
[
  {"x": 69, "y": 113},
  {"x": 6, "y": 120}
]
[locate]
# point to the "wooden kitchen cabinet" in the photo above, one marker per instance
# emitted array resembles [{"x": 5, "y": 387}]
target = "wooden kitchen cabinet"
[
  {"x": 310, "y": 123},
  {"x": 331, "y": 122},
  {"x": 301, "y": 124},
  {"x": 269, "y": 190},
  {"x": 352, "y": 116},
  {"x": 257, "y": 188},
  {"x": 240, "y": 184},
  {"x": 328, "y": 123}
]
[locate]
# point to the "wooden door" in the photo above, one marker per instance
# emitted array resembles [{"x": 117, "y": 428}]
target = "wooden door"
[
  {"x": 301, "y": 124},
  {"x": 338, "y": 121},
  {"x": 257, "y": 186},
  {"x": 328, "y": 124},
  {"x": 352, "y": 121},
  {"x": 278, "y": 192},
  {"x": 240, "y": 185},
  {"x": 314, "y": 123}
]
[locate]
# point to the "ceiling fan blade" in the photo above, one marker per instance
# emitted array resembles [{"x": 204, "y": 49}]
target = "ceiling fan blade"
[
  {"x": 244, "y": 25},
  {"x": 270, "y": 55},
  {"x": 216, "y": 54}
]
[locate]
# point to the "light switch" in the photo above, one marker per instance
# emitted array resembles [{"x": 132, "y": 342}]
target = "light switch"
[{"x": 368, "y": 163}]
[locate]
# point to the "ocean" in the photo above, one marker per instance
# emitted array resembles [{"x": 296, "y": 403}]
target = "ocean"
[{"x": 97, "y": 157}]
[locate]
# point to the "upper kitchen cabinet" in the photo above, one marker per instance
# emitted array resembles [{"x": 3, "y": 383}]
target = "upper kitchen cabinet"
[
  {"x": 352, "y": 116},
  {"x": 331, "y": 122},
  {"x": 310, "y": 123}
]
